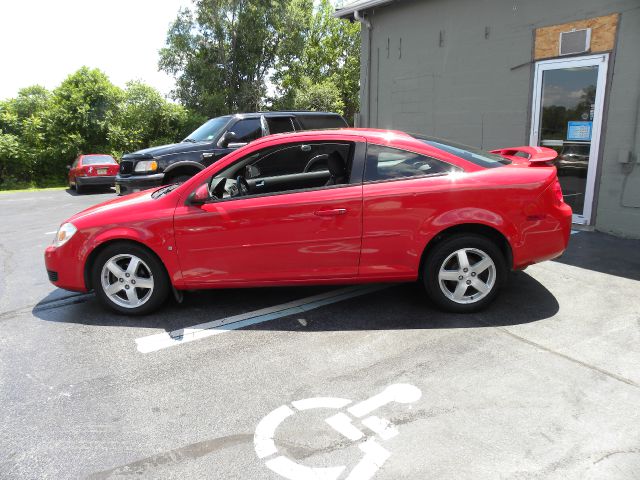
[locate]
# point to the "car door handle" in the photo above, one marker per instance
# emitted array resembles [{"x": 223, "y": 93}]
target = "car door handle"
[{"x": 331, "y": 213}]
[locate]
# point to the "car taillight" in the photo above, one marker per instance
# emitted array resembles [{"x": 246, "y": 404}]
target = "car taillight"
[{"x": 557, "y": 193}]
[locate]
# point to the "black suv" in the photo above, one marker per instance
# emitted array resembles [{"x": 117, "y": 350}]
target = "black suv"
[{"x": 216, "y": 138}]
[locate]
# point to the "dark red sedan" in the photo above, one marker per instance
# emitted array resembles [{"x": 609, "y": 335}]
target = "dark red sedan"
[
  {"x": 325, "y": 207},
  {"x": 93, "y": 170}
]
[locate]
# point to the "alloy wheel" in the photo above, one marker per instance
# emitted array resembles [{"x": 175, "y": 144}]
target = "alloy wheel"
[
  {"x": 127, "y": 280},
  {"x": 467, "y": 275}
]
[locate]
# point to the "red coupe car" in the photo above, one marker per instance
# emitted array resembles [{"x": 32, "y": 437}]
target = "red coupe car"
[
  {"x": 93, "y": 170},
  {"x": 324, "y": 207}
]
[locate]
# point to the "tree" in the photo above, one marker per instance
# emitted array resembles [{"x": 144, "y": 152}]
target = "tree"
[
  {"x": 329, "y": 59},
  {"x": 41, "y": 132},
  {"x": 225, "y": 54},
  {"x": 222, "y": 51}
]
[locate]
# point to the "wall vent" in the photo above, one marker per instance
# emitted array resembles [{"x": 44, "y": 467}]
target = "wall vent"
[{"x": 575, "y": 41}]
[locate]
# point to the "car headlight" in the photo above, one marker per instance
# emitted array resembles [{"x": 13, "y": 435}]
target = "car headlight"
[
  {"x": 146, "y": 166},
  {"x": 64, "y": 234}
]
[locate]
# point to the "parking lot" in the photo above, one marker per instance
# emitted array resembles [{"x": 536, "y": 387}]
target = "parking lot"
[{"x": 545, "y": 384}]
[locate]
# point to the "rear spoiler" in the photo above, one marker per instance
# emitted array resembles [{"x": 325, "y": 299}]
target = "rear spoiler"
[{"x": 535, "y": 155}]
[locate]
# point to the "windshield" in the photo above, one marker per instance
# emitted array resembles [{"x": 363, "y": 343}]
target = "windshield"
[
  {"x": 98, "y": 160},
  {"x": 209, "y": 131},
  {"x": 470, "y": 154}
]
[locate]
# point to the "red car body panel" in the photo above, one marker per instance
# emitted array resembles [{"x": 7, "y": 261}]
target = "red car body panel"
[{"x": 351, "y": 233}]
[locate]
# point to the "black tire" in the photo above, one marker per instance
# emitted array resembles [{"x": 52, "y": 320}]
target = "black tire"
[
  {"x": 79, "y": 189},
  {"x": 178, "y": 179},
  {"x": 151, "y": 267},
  {"x": 442, "y": 255}
]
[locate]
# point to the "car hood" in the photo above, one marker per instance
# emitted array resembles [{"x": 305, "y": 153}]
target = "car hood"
[
  {"x": 162, "y": 150},
  {"x": 99, "y": 213}
]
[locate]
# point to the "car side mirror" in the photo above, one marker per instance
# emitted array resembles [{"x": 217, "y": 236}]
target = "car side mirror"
[
  {"x": 251, "y": 171},
  {"x": 228, "y": 138},
  {"x": 68, "y": 167},
  {"x": 200, "y": 196}
]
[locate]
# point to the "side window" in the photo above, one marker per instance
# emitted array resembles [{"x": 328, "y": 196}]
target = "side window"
[
  {"x": 304, "y": 159},
  {"x": 385, "y": 163},
  {"x": 247, "y": 130},
  {"x": 75, "y": 163},
  {"x": 280, "y": 124}
]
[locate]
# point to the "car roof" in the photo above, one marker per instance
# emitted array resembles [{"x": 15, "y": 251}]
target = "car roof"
[
  {"x": 293, "y": 113},
  {"x": 373, "y": 135}
]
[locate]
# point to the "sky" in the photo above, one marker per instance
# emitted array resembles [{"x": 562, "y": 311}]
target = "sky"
[{"x": 43, "y": 41}]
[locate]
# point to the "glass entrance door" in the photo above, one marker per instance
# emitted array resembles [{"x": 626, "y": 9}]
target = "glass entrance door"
[{"x": 568, "y": 99}]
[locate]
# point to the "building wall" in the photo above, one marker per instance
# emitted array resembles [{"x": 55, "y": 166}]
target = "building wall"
[{"x": 462, "y": 70}]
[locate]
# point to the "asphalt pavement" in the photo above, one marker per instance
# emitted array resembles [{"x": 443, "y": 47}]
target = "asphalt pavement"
[{"x": 324, "y": 383}]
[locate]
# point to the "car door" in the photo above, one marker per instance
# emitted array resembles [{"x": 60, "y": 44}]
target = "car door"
[{"x": 285, "y": 236}]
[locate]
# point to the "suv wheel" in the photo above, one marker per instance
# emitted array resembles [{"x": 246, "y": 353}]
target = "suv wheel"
[
  {"x": 464, "y": 273},
  {"x": 178, "y": 179},
  {"x": 129, "y": 279}
]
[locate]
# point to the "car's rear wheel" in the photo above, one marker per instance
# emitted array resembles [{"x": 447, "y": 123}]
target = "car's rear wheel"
[
  {"x": 129, "y": 279},
  {"x": 464, "y": 273}
]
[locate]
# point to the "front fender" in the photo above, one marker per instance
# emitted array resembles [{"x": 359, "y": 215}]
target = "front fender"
[
  {"x": 184, "y": 163},
  {"x": 159, "y": 241}
]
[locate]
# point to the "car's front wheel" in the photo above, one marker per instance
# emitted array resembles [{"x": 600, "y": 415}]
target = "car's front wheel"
[
  {"x": 463, "y": 273},
  {"x": 129, "y": 279}
]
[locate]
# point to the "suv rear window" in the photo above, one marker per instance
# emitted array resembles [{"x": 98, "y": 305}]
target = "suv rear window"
[
  {"x": 280, "y": 125},
  {"x": 470, "y": 154},
  {"x": 321, "y": 122}
]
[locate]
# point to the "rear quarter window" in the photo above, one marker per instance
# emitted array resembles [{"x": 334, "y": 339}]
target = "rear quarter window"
[
  {"x": 386, "y": 163},
  {"x": 470, "y": 154}
]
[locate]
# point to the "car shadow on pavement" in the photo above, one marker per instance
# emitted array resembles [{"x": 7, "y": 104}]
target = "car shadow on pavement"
[
  {"x": 603, "y": 253},
  {"x": 399, "y": 306},
  {"x": 405, "y": 307}
]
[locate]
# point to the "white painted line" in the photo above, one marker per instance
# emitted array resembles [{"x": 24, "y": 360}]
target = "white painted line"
[
  {"x": 341, "y": 423},
  {"x": 294, "y": 471},
  {"x": 159, "y": 341},
  {"x": 320, "y": 402},
  {"x": 374, "y": 457},
  {"x": 381, "y": 426},
  {"x": 266, "y": 429},
  {"x": 50, "y": 233},
  {"x": 398, "y": 392}
]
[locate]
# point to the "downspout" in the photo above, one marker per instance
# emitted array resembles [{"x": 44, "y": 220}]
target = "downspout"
[
  {"x": 367, "y": 78},
  {"x": 361, "y": 19}
]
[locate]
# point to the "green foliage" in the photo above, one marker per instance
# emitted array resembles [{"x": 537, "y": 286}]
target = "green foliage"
[
  {"x": 225, "y": 53},
  {"x": 323, "y": 96},
  {"x": 41, "y": 132},
  {"x": 328, "y": 61}
]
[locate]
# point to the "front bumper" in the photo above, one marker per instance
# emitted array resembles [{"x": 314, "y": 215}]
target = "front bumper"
[
  {"x": 135, "y": 183},
  {"x": 62, "y": 272},
  {"x": 101, "y": 180}
]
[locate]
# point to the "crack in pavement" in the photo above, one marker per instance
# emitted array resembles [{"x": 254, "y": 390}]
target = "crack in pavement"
[
  {"x": 172, "y": 457},
  {"x": 565, "y": 356}
]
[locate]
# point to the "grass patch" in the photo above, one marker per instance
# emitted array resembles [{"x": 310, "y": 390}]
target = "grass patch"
[{"x": 31, "y": 189}]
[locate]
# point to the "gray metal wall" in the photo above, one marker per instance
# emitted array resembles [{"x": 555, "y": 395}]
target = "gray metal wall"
[{"x": 461, "y": 69}]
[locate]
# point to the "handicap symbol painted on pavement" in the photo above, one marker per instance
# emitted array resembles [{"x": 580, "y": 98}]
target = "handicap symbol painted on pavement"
[{"x": 375, "y": 455}]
